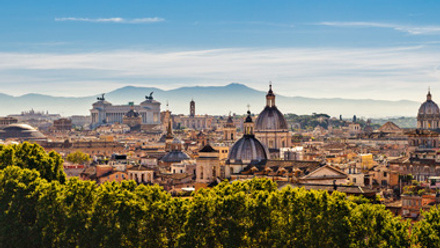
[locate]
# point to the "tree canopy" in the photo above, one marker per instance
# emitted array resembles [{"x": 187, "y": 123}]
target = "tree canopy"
[{"x": 78, "y": 157}]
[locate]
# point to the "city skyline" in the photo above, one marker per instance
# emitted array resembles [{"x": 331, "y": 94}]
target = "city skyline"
[{"x": 317, "y": 49}]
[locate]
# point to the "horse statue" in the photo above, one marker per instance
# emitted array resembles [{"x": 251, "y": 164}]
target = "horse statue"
[
  {"x": 150, "y": 97},
  {"x": 102, "y": 98}
]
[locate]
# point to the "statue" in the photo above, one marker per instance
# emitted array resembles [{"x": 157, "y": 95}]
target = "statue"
[
  {"x": 150, "y": 97},
  {"x": 102, "y": 98}
]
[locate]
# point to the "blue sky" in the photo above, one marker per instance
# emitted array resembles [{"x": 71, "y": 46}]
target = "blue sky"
[{"x": 349, "y": 49}]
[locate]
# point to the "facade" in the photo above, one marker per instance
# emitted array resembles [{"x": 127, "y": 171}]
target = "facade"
[
  {"x": 271, "y": 127},
  {"x": 229, "y": 131},
  {"x": 62, "y": 124},
  {"x": 4, "y": 121},
  {"x": 208, "y": 165},
  {"x": 103, "y": 112}
]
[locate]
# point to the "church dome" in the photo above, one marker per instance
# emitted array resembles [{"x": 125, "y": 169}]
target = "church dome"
[
  {"x": 270, "y": 118},
  {"x": 429, "y": 107},
  {"x": 248, "y": 149},
  {"x": 428, "y": 116}
]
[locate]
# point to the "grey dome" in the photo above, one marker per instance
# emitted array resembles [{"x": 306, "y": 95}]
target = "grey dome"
[
  {"x": 20, "y": 131},
  {"x": 175, "y": 157},
  {"x": 248, "y": 148},
  {"x": 429, "y": 107},
  {"x": 270, "y": 119}
]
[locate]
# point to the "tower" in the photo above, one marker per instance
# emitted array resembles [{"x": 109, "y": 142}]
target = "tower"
[
  {"x": 192, "y": 108},
  {"x": 229, "y": 130}
]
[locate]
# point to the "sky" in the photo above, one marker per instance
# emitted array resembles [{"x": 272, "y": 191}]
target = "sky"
[{"x": 388, "y": 50}]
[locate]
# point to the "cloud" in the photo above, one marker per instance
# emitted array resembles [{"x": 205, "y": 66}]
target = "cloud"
[
  {"x": 112, "y": 20},
  {"x": 378, "y": 73},
  {"x": 414, "y": 30}
]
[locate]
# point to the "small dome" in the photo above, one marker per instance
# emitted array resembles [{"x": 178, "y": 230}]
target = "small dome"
[{"x": 175, "y": 157}]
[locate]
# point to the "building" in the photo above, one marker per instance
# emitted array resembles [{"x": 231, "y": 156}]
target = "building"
[
  {"x": 229, "y": 131},
  {"x": 208, "y": 165},
  {"x": 5, "y": 121},
  {"x": 271, "y": 127},
  {"x": 193, "y": 121},
  {"x": 103, "y": 112},
  {"x": 62, "y": 124}
]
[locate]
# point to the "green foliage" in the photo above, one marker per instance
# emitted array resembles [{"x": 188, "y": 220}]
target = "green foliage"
[
  {"x": 33, "y": 156},
  {"x": 78, "y": 157},
  {"x": 426, "y": 233},
  {"x": 37, "y": 213}
]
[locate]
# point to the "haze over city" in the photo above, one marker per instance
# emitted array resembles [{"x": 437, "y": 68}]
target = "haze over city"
[{"x": 317, "y": 49}]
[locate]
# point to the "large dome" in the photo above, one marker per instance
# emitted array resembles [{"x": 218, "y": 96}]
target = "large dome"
[
  {"x": 429, "y": 107},
  {"x": 270, "y": 119},
  {"x": 23, "y": 131},
  {"x": 428, "y": 116},
  {"x": 247, "y": 150}
]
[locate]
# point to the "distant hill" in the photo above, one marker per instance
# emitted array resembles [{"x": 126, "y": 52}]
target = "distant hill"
[{"x": 211, "y": 100}]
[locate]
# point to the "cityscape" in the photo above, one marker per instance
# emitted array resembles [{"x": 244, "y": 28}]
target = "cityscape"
[{"x": 136, "y": 125}]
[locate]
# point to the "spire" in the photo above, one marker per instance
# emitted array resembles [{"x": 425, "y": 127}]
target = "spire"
[
  {"x": 270, "y": 97},
  {"x": 248, "y": 125},
  {"x": 170, "y": 134},
  {"x": 428, "y": 97}
]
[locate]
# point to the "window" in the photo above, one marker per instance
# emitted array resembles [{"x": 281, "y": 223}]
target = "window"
[
  {"x": 384, "y": 173},
  {"x": 354, "y": 180}
]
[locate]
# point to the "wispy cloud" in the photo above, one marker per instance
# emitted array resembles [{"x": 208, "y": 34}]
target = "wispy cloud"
[
  {"x": 379, "y": 73},
  {"x": 414, "y": 30},
  {"x": 111, "y": 20}
]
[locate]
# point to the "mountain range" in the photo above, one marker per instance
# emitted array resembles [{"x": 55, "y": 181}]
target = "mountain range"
[{"x": 214, "y": 100}]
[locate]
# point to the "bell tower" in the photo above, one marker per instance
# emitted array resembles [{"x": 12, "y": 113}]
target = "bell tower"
[{"x": 192, "y": 108}]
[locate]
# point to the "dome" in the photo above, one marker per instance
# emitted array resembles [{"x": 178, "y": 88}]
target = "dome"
[
  {"x": 428, "y": 116},
  {"x": 175, "y": 157},
  {"x": 429, "y": 107},
  {"x": 248, "y": 149},
  {"x": 20, "y": 131},
  {"x": 270, "y": 118}
]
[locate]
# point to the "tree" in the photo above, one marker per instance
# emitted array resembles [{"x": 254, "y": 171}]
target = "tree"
[
  {"x": 33, "y": 156},
  {"x": 426, "y": 232},
  {"x": 78, "y": 157},
  {"x": 18, "y": 199}
]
